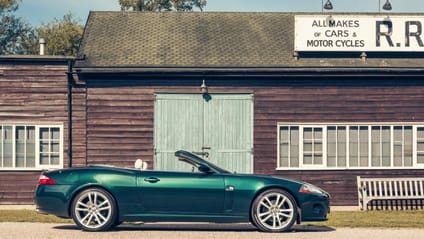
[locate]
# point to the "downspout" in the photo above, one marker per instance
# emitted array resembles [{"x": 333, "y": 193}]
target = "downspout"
[{"x": 69, "y": 73}]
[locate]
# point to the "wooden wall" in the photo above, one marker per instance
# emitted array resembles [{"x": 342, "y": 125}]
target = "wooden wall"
[
  {"x": 113, "y": 117},
  {"x": 34, "y": 93},
  {"x": 120, "y": 118},
  {"x": 119, "y": 125},
  {"x": 357, "y": 100}
]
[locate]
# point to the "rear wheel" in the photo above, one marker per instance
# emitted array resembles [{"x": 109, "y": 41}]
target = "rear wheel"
[
  {"x": 94, "y": 209},
  {"x": 274, "y": 210}
]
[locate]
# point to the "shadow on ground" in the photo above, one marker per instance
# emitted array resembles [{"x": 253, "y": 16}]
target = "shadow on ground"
[{"x": 217, "y": 227}]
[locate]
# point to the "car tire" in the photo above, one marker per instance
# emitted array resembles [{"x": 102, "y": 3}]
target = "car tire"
[
  {"x": 274, "y": 210},
  {"x": 94, "y": 209}
]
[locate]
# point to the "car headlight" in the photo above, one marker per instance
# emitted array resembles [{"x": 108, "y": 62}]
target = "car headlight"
[{"x": 309, "y": 188}]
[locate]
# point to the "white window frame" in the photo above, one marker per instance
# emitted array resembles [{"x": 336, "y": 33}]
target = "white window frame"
[
  {"x": 324, "y": 126},
  {"x": 38, "y": 166},
  {"x": 301, "y": 144}
]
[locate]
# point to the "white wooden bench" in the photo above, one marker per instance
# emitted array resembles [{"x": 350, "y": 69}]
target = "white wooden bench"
[{"x": 389, "y": 189}]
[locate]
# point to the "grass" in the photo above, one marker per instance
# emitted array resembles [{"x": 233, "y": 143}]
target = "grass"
[
  {"x": 29, "y": 216},
  {"x": 353, "y": 219},
  {"x": 376, "y": 219}
]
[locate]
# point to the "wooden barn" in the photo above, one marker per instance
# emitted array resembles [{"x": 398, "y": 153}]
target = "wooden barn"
[{"x": 250, "y": 91}]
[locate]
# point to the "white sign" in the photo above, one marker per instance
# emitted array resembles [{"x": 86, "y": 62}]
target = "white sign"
[{"x": 359, "y": 33}]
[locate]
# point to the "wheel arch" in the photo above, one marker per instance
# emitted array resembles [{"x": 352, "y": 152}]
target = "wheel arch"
[
  {"x": 270, "y": 187},
  {"x": 88, "y": 186}
]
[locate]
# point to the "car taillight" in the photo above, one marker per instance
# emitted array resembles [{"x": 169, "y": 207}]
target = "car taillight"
[{"x": 43, "y": 180}]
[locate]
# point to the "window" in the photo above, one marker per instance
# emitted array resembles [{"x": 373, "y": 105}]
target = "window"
[
  {"x": 335, "y": 146},
  {"x": 31, "y": 147},
  {"x": 312, "y": 146}
]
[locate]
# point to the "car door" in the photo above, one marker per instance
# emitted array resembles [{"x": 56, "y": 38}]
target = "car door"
[{"x": 182, "y": 193}]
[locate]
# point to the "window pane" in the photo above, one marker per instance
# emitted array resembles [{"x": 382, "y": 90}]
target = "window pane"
[
  {"x": 307, "y": 134},
  {"x": 364, "y": 146},
  {"x": 8, "y": 146},
  {"x": 318, "y": 159},
  {"x": 44, "y": 134},
  {"x": 353, "y": 146},
  {"x": 398, "y": 146},
  {"x": 307, "y": 159},
  {"x": 420, "y": 158},
  {"x": 44, "y": 147},
  {"x": 420, "y": 134},
  {"x": 307, "y": 147},
  {"x": 30, "y": 147},
  {"x": 54, "y": 147},
  {"x": 317, "y": 134},
  {"x": 385, "y": 145},
  {"x": 20, "y": 146},
  {"x": 44, "y": 159},
  {"x": 420, "y": 145},
  {"x": 407, "y": 146},
  {"x": 284, "y": 146},
  {"x": 54, "y": 159},
  {"x": 318, "y": 148},
  {"x": 331, "y": 146},
  {"x": 55, "y": 134},
  {"x": 294, "y": 147},
  {"x": 341, "y": 146},
  {"x": 375, "y": 146}
]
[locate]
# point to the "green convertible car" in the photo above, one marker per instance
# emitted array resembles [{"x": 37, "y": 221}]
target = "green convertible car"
[{"x": 101, "y": 197}]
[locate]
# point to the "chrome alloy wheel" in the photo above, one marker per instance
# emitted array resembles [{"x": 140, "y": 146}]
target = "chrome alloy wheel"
[
  {"x": 274, "y": 211},
  {"x": 93, "y": 210}
]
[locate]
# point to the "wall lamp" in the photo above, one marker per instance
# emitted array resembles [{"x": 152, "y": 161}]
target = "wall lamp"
[
  {"x": 328, "y": 5},
  {"x": 204, "y": 87},
  {"x": 387, "y": 6}
]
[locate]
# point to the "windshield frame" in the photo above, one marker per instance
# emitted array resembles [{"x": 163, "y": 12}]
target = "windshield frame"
[{"x": 192, "y": 157}]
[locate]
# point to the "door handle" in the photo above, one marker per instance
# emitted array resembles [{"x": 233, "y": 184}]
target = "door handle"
[{"x": 152, "y": 180}]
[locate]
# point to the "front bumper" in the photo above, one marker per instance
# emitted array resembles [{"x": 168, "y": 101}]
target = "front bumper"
[{"x": 316, "y": 208}]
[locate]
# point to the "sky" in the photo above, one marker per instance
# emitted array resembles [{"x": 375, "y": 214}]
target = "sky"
[{"x": 37, "y": 11}]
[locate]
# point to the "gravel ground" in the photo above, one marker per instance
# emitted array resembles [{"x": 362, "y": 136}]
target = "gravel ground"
[{"x": 203, "y": 231}]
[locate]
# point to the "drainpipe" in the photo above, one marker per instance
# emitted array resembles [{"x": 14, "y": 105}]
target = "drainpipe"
[{"x": 70, "y": 85}]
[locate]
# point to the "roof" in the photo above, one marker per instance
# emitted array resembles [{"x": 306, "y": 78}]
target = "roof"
[
  {"x": 35, "y": 58},
  {"x": 134, "y": 40}
]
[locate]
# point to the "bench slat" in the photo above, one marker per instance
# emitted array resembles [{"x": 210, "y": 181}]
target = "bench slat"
[{"x": 389, "y": 189}]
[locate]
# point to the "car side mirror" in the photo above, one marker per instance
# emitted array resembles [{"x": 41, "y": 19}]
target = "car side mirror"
[{"x": 204, "y": 168}]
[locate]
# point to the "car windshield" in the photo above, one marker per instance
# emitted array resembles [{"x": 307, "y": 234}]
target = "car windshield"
[{"x": 196, "y": 160}]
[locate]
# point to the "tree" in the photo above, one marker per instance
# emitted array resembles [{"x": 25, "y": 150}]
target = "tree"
[
  {"x": 162, "y": 5},
  {"x": 62, "y": 36},
  {"x": 15, "y": 33}
]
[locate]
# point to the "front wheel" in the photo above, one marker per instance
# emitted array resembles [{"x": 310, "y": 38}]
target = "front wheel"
[
  {"x": 94, "y": 209},
  {"x": 274, "y": 210}
]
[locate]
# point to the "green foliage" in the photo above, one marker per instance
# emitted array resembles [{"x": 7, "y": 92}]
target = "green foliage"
[
  {"x": 16, "y": 35},
  {"x": 162, "y": 5},
  {"x": 62, "y": 36},
  {"x": 8, "y": 6}
]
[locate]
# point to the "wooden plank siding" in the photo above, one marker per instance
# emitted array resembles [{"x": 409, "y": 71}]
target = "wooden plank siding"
[
  {"x": 119, "y": 125},
  {"x": 113, "y": 118},
  {"x": 36, "y": 93},
  {"x": 120, "y": 120},
  {"x": 331, "y": 104}
]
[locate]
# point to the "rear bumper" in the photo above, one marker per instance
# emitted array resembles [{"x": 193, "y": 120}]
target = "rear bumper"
[{"x": 51, "y": 199}]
